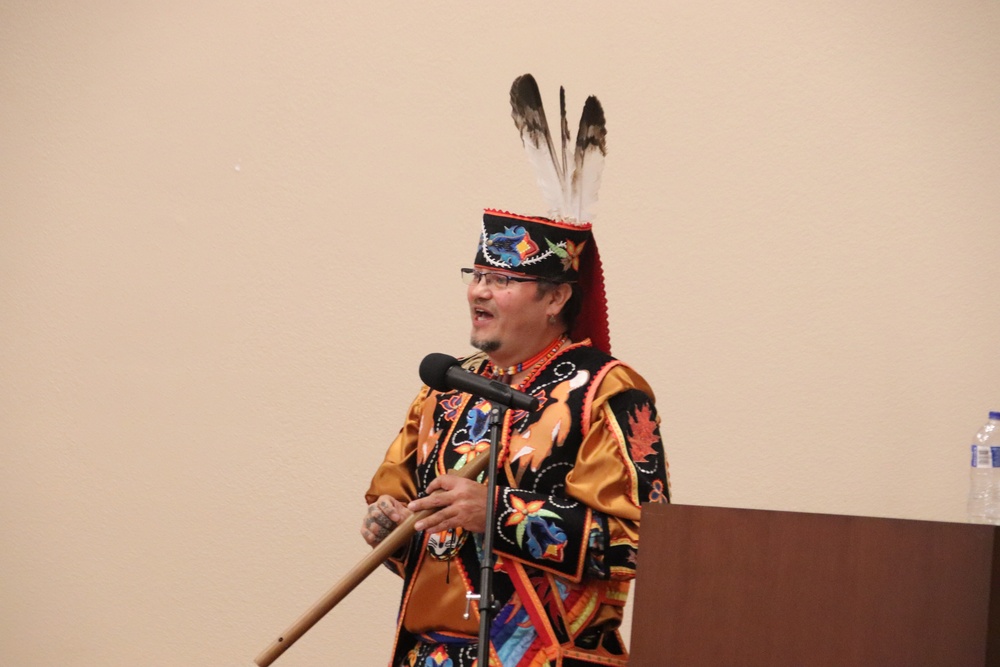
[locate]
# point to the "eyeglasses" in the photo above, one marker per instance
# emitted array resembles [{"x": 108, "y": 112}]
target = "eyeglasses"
[{"x": 493, "y": 280}]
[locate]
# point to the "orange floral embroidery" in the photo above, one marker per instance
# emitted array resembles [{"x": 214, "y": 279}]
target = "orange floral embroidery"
[{"x": 522, "y": 510}]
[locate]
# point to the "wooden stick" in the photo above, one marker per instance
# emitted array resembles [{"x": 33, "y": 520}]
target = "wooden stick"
[{"x": 400, "y": 535}]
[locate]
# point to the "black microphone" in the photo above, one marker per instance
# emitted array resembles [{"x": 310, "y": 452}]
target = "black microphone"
[{"x": 443, "y": 373}]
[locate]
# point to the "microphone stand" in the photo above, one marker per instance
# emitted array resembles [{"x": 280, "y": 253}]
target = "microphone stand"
[{"x": 487, "y": 605}]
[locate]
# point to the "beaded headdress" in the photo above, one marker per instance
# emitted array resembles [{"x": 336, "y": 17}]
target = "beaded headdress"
[{"x": 561, "y": 246}]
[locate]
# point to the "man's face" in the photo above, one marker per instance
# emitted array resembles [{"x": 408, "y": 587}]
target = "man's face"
[{"x": 510, "y": 323}]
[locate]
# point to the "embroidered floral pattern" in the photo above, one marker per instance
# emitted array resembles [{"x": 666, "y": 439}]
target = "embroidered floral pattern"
[
  {"x": 513, "y": 245},
  {"x": 438, "y": 658},
  {"x": 478, "y": 421},
  {"x": 544, "y": 538},
  {"x": 657, "y": 494},
  {"x": 475, "y": 441},
  {"x": 450, "y": 407},
  {"x": 570, "y": 255},
  {"x": 469, "y": 451},
  {"x": 644, "y": 434}
]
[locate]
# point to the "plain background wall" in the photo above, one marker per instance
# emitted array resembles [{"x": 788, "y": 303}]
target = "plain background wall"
[{"x": 230, "y": 231}]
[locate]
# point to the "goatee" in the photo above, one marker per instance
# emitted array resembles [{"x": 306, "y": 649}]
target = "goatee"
[{"x": 486, "y": 346}]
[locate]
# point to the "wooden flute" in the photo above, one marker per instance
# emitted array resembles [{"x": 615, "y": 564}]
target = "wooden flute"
[{"x": 399, "y": 536}]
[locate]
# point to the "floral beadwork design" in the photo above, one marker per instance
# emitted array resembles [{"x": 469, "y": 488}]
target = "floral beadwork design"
[
  {"x": 570, "y": 255},
  {"x": 657, "y": 493},
  {"x": 439, "y": 658},
  {"x": 513, "y": 245},
  {"x": 544, "y": 538}
]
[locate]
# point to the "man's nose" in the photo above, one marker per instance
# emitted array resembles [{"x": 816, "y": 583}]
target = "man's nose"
[{"x": 482, "y": 288}]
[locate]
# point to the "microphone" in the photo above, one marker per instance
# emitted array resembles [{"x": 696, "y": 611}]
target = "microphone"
[{"x": 443, "y": 373}]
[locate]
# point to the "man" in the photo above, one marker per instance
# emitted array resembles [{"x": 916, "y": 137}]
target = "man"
[{"x": 572, "y": 474}]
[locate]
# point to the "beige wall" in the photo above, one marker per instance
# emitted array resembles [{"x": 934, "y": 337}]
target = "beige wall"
[{"x": 229, "y": 231}]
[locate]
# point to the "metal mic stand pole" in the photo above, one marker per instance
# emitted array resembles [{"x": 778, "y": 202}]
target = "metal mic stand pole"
[{"x": 487, "y": 606}]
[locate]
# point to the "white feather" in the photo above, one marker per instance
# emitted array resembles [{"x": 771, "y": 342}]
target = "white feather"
[
  {"x": 569, "y": 190},
  {"x": 549, "y": 180},
  {"x": 567, "y": 166},
  {"x": 529, "y": 117},
  {"x": 588, "y": 163},
  {"x": 586, "y": 182}
]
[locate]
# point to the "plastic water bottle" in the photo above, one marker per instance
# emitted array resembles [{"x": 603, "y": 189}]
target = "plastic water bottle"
[{"x": 984, "y": 479}]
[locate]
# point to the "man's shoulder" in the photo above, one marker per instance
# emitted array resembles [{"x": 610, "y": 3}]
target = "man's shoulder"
[
  {"x": 599, "y": 363},
  {"x": 473, "y": 362},
  {"x": 610, "y": 375},
  {"x": 584, "y": 352}
]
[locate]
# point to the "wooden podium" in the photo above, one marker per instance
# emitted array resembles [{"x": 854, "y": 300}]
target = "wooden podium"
[{"x": 720, "y": 587}]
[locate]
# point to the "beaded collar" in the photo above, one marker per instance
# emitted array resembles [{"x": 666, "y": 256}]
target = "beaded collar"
[{"x": 539, "y": 358}]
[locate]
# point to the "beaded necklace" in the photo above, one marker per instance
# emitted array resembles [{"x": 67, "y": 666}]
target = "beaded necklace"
[{"x": 539, "y": 358}]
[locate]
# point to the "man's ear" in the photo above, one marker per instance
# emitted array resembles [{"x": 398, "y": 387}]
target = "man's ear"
[{"x": 561, "y": 295}]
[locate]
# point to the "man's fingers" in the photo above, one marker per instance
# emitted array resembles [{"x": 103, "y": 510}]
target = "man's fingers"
[
  {"x": 375, "y": 534},
  {"x": 383, "y": 520},
  {"x": 389, "y": 508},
  {"x": 444, "y": 490},
  {"x": 439, "y": 499},
  {"x": 440, "y": 520},
  {"x": 377, "y": 523},
  {"x": 444, "y": 483},
  {"x": 458, "y": 503}
]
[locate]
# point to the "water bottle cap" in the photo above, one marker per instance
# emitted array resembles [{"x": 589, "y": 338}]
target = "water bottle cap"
[{"x": 995, "y": 415}]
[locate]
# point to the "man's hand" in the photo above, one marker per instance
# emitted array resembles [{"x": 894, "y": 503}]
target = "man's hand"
[
  {"x": 462, "y": 503},
  {"x": 383, "y": 515}
]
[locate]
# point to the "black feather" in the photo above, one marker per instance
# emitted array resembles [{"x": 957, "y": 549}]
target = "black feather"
[
  {"x": 592, "y": 127},
  {"x": 528, "y": 114}
]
